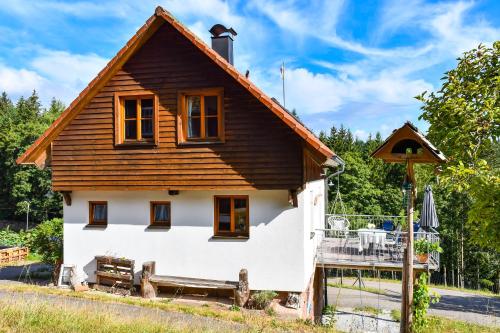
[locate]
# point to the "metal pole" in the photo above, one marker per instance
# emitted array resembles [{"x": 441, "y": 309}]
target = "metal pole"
[
  {"x": 27, "y": 214},
  {"x": 283, "y": 81}
]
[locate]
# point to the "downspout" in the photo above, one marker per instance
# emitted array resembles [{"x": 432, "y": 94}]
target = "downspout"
[{"x": 335, "y": 161}]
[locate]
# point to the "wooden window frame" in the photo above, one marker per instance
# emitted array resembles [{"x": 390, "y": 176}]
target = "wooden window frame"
[
  {"x": 152, "y": 214},
  {"x": 119, "y": 110},
  {"x": 231, "y": 233},
  {"x": 182, "y": 121},
  {"x": 91, "y": 213}
]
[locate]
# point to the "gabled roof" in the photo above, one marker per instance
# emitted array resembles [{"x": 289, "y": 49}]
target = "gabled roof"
[
  {"x": 40, "y": 146},
  {"x": 408, "y": 132}
]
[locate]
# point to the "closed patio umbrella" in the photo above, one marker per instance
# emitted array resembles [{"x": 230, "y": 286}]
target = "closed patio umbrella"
[{"x": 429, "y": 217}]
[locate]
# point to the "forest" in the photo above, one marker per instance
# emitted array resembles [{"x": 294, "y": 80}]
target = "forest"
[{"x": 464, "y": 123}]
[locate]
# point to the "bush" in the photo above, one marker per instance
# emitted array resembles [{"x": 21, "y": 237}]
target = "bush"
[
  {"x": 47, "y": 240},
  {"x": 12, "y": 238},
  {"x": 486, "y": 284},
  {"x": 262, "y": 299},
  {"x": 422, "y": 298}
]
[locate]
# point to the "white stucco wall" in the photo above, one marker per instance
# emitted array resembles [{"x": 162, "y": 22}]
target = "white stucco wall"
[
  {"x": 275, "y": 253},
  {"x": 314, "y": 210}
]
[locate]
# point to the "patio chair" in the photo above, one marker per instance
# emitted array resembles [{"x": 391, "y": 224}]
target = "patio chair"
[
  {"x": 388, "y": 225},
  {"x": 394, "y": 243},
  {"x": 340, "y": 227}
]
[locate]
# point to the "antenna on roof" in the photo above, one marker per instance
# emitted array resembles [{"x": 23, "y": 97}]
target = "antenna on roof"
[{"x": 282, "y": 71}]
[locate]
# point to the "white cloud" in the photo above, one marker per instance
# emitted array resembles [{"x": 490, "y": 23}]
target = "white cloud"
[
  {"x": 19, "y": 81},
  {"x": 312, "y": 93},
  {"x": 68, "y": 69},
  {"x": 216, "y": 10},
  {"x": 82, "y": 9},
  {"x": 319, "y": 21},
  {"x": 52, "y": 74}
]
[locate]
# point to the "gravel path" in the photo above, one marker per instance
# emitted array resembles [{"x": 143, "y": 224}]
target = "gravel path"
[
  {"x": 173, "y": 319},
  {"x": 459, "y": 305}
]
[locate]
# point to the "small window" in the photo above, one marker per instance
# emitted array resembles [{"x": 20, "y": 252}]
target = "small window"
[
  {"x": 98, "y": 212},
  {"x": 231, "y": 216},
  {"x": 160, "y": 213},
  {"x": 136, "y": 118},
  {"x": 201, "y": 117}
]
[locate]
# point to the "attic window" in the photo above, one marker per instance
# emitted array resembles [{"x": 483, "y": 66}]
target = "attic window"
[
  {"x": 136, "y": 119},
  {"x": 200, "y": 116}
]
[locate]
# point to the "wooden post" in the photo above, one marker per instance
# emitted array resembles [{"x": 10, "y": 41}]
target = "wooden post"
[
  {"x": 147, "y": 289},
  {"x": 242, "y": 293},
  {"x": 407, "y": 286}
]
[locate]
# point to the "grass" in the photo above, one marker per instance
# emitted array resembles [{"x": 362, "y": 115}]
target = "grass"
[
  {"x": 396, "y": 315},
  {"x": 436, "y": 286},
  {"x": 254, "y": 320},
  {"x": 439, "y": 324},
  {"x": 368, "y": 289},
  {"x": 41, "y": 317},
  {"x": 368, "y": 309}
]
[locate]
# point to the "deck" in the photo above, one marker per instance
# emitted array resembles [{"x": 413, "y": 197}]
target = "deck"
[{"x": 369, "y": 246}]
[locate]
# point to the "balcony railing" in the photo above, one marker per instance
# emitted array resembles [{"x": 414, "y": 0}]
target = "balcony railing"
[{"x": 370, "y": 241}]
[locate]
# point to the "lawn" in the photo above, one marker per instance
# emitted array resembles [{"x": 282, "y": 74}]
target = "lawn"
[
  {"x": 256, "y": 321},
  {"x": 43, "y": 318}
]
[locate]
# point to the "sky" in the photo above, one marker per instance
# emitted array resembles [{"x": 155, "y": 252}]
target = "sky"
[{"x": 356, "y": 63}]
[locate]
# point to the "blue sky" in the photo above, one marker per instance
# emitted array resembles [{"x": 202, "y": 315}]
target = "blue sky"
[{"x": 357, "y": 63}]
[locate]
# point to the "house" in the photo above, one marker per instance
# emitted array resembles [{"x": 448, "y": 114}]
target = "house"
[{"x": 170, "y": 154}]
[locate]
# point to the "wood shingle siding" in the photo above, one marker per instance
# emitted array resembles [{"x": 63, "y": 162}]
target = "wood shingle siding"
[{"x": 260, "y": 150}]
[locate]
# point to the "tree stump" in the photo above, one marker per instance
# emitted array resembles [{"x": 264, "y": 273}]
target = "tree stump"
[
  {"x": 147, "y": 289},
  {"x": 242, "y": 294}
]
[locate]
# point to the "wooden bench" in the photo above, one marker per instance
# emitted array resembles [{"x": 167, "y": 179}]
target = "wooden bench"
[{"x": 150, "y": 283}]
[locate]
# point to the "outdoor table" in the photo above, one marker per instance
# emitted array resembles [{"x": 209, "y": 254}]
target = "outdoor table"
[{"x": 371, "y": 237}]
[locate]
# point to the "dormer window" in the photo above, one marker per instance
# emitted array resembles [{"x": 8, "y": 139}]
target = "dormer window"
[
  {"x": 136, "y": 119},
  {"x": 200, "y": 116}
]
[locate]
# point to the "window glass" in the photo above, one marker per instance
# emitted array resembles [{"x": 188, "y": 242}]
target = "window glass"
[
  {"x": 130, "y": 109},
  {"x": 240, "y": 215},
  {"x": 147, "y": 108},
  {"x": 161, "y": 213},
  {"x": 147, "y": 118},
  {"x": 224, "y": 214},
  {"x": 194, "y": 116},
  {"x": 194, "y": 106},
  {"x": 130, "y": 129},
  {"x": 99, "y": 213},
  {"x": 210, "y": 105},
  {"x": 211, "y": 126}
]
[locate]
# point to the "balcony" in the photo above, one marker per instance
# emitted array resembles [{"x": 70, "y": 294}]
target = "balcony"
[{"x": 370, "y": 242}]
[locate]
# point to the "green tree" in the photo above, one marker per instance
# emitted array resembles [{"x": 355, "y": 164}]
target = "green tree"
[
  {"x": 464, "y": 118},
  {"x": 21, "y": 124}
]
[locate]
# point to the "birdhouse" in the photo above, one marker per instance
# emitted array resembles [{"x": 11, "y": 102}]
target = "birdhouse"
[{"x": 408, "y": 144}]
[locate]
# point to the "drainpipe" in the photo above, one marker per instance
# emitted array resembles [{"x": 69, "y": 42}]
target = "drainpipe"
[{"x": 335, "y": 161}]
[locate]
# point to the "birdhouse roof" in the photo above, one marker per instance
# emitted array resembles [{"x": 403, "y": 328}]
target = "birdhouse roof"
[{"x": 408, "y": 143}]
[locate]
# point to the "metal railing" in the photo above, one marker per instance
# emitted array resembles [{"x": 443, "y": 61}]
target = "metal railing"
[
  {"x": 369, "y": 244},
  {"x": 363, "y": 221}
]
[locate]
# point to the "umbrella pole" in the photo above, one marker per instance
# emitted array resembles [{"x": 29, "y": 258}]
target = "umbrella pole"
[{"x": 407, "y": 283}]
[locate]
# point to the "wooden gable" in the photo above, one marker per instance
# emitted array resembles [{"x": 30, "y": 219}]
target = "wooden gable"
[{"x": 260, "y": 151}]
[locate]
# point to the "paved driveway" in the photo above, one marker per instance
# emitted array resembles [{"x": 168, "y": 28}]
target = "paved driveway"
[{"x": 457, "y": 305}]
